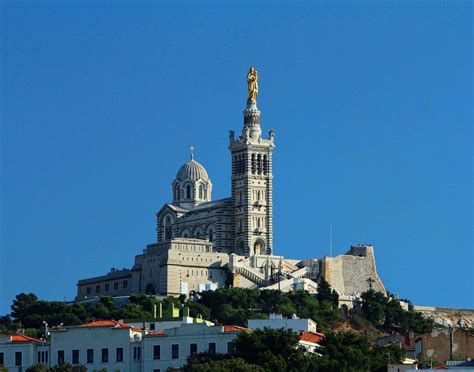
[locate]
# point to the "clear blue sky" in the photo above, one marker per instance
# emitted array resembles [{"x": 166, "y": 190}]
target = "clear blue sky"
[{"x": 371, "y": 103}]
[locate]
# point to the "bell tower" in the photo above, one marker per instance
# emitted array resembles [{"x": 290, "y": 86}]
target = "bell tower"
[{"x": 252, "y": 180}]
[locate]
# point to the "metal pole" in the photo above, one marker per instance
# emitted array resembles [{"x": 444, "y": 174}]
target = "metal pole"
[{"x": 330, "y": 241}]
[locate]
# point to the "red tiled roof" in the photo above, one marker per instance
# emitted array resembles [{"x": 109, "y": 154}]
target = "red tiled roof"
[
  {"x": 234, "y": 328},
  {"x": 313, "y": 337},
  {"x": 160, "y": 332},
  {"x": 105, "y": 323},
  {"x": 108, "y": 323},
  {"x": 21, "y": 338}
]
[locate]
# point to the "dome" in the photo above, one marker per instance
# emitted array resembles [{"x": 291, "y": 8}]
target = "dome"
[{"x": 193, "y": 171}]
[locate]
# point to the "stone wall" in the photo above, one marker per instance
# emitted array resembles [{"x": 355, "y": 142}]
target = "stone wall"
[
  {"x": 349, "y": 274},
  {"x": 446, "y": 344}
]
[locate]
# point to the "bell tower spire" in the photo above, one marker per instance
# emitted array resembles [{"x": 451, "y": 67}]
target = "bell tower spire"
[{"x": 252, "y": 180}]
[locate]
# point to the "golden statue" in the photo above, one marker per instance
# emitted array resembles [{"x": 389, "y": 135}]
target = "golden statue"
[{"x": 252, "y": 81}]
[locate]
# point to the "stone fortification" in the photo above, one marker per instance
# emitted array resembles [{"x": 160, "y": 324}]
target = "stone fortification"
[
  {"x": 447, "y": 317},
  {"x": 354, "y": 272}
]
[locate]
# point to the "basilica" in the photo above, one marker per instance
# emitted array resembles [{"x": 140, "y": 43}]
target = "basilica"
[{"x": 204, "y": 244}]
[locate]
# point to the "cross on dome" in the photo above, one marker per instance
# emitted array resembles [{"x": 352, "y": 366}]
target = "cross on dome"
[{"x": 192, "y": 152}]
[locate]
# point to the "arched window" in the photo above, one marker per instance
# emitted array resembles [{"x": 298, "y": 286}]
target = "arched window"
[
  {"x": 241, "y": 248},
  {"x": 188, "y": 191},
  {"x": 176, "y": 192},
  {"x": 211, "y": 235},
  {"x": 201, "y": 192},
  {"x": 150, "y": 289},
  {"x": 258, "y": 247},
  {"x": 168, "y": 229}
]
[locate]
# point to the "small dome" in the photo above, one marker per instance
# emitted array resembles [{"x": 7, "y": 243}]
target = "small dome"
[{"x": 193, "y": 171}]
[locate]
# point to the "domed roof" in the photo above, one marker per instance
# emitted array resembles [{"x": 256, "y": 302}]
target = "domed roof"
[{"x": 192, "y": 170}]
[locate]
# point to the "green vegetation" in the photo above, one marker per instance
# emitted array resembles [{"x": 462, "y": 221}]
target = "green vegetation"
[
  {"x": 236, "y": 305},
  {"x": 225, "y": 306},
  {"x": 386, "y": 314},
  {"x": 261, "y": 350},
  {"x": 58, "y": 368},
  {"x": 347, "y": 351},
  {"x": 277, "y": 350}
]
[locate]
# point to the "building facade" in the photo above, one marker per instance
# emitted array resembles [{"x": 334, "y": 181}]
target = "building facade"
[
  {"x": 18, "y": 352},
  {"x": 204, "y": 244}
]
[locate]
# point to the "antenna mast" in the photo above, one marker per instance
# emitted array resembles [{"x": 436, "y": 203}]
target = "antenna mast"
[{"x": 330, "y": 240}]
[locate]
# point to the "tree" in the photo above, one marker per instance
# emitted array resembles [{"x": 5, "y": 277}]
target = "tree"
[
  {"x": 221, "y": 364},
  {"x": 22, "y": 305},
  {"x": 324, "y": 290},
  {"x": 274, "y": 349},
  {"x": 373, "y": 306},
  {"x": 37, "y": 368},
  {"x": 387, "y": 313},
  {"x": 65, "y": 367},
  {"x": 325, "y": 293},
  {"x": 347, "y": 351}
]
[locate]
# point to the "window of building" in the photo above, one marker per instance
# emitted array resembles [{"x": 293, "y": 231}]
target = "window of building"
[
  {"x": 230, "y": 347},
  {"x": 212, "y": 348},
  {"x": 107, "y": 287},
  {"x": 46, "y": 357},
  {"x": 156, "y": 352},
  {"x": 152, "y": 326},
  {"x": 97, "y": 288},
  {"x": 89, "y": 290},
  {"x": 119, "y": 354},
  {"x": 156, "y": 370},
  {"x": 201, "y": 192},
  {"x": 125, "y": 283},
  {"x": 188, "y": 191},
  {"x": 211, "y": 235},
  {"x": 75, "y": 357},
  {"x": 176, "y": 192},
  {"x": 18, "y": 358},
  {"x": 105, "y": 355},
  {"x": 193, "y": 348},
  {"x": 116, "y": 285},
  {"x": 90, "y": 355},
  {"x": 137, "y": 353},
  {"x": 2, "y": 358},
  {"x": 175, "y": 351},
  {"x": 60, "y": 356}
]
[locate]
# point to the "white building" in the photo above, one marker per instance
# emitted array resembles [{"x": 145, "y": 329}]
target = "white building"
[
  {"x": 171, "y": 348},
  {"x": 18, "y": 352},
  {"x": 103, "y": 344},
  {"x": 306, "y": 328},
  {"x": 277, "y": 321},
  {"x": 119, "y": 347}
]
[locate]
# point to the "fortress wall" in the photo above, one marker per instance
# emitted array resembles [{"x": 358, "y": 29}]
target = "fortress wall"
[{"x": 348, "y": 273}]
